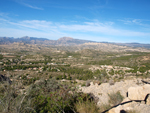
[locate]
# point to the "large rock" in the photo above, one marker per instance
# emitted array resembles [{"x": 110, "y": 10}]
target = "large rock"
[
  {"x": 134, "y": 107},
  {"x": 139, "y": 92},
  {"x": 148, "y": 100},
  {"x": 125, "y": 100},
  {"x": 102, "y": 91},
  {"x": 116, "y": 109}
]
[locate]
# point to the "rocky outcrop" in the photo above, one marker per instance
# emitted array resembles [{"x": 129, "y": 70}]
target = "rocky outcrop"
[
  {"x": 148, "y": 100},
  {"x": 138, "y": 100},
  {"x": 135, "y": 92},
  {"x": 139, "y": 92},
  {"x": 102, "y": 91},
  {"x": 137, "y": 107}
]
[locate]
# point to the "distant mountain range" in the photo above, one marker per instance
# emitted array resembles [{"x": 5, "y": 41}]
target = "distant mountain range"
[
  {"x": 26, "y": 39},
  {"x": 134, "y": 45},
  {"x": 33, "y": 40},
  {"x": 64, "y": 41}
]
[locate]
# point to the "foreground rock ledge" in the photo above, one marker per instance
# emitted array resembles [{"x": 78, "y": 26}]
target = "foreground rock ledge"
[{"x": 139, "y": 92}]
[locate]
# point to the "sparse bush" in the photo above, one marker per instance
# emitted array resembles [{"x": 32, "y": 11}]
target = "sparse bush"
[
  {"x": 104, "y": 107},
  {"x": 111, "y": 72},
  {"x": 11, "y": 100},
  {"x": 115, "y": 98},
  {"x": 59, "y": 77},
  {"x": 1, "y": 56},
  {"x": 86, "y": 107},
  {"x": 69, "y": 77},
  {"x": 50, "y": 96},
  {"x": 24, "y": 77},
  {"x": 50, "y": 76},
  {"x": 83, "y": 84}
]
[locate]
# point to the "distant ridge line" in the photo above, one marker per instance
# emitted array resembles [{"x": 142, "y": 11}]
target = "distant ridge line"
[{"x": 64, "y": 41}]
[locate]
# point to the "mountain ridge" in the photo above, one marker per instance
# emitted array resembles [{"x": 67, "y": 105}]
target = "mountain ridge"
[
  {"x": 63, "y": 41},
  {"x": 34, "y": 40}
]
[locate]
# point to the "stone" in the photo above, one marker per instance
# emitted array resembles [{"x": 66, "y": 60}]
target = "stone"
[
  {"x": 102, "y": 91},
  {"x": 116, "y": 109},
  {"x": 88, "y": 84},
  {"x": 139, "y": 92},
  {"x": 125, "y": 100},
  {"x": 111, "y": 82},
  {"x": 131, "y": 106},
  {"x": 96, "y": 82},
  {"x": 142, "y": 102},
  {"x": 112, "y": 110},
  {"x": 142, "y": 108},
  {"x": 148, "y": 100}
]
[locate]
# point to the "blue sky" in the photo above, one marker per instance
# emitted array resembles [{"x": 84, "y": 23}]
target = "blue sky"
[{"x": 97, "y": 20}]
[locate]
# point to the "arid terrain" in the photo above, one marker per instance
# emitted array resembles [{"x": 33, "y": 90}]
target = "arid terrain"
[{"x": 38, "y": 76}]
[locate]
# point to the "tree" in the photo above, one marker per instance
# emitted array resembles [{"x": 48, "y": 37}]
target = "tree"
[
  {"x": 64, "y": 76},
  {"x": 1, "y": 56},
  {"x": 69, "y": 77}
]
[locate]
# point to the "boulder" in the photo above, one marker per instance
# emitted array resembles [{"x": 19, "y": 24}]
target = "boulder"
[
  {"x": 148, "y": 100},
  {"x": 96, "y": 82},
  {"x": 111, "y": 82},
  {"x": 125, "y": 108},
  {"x": 88, "y": 83},
  {"x": 142, "y": 108},
  {"x": 125, "y": 100},
  {"x": 139, "y": 92},
  {"x": 116, "y": 109}
]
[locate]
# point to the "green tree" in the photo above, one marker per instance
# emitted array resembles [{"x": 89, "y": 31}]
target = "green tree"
[{"x": 1, "y": 56}]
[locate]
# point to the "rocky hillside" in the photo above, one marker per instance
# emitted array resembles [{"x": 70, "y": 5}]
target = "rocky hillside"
[
  {"x": 64, "y": 41},
  {"x": 135, "y": 95},
  {"x": 68, "y": 44},
  {"x": 134, "y": 45}
]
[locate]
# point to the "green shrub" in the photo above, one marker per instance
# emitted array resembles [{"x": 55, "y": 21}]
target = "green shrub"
[
  {"x": 50, "y": 96},
  {"x": 1, "y": 56},
  {"x": 64, "y": 76},
  {"x": 45, "y": 96},
  {"x": 69, "y": 77},
  {"x": 57, "y": 101},
  {"x": 83, "y": 84},
  {"x": 59, "y": 77},
  {"x": 50, "y": 76},
  {"x": 10, "y": 98},
  {"x": 111, "y": 72}
]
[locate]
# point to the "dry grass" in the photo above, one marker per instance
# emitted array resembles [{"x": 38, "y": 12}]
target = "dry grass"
[
  {"x": 115, "y": 98},
  {"x": 104, "y": 107},
  {"x": 86, "y": 107}
]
